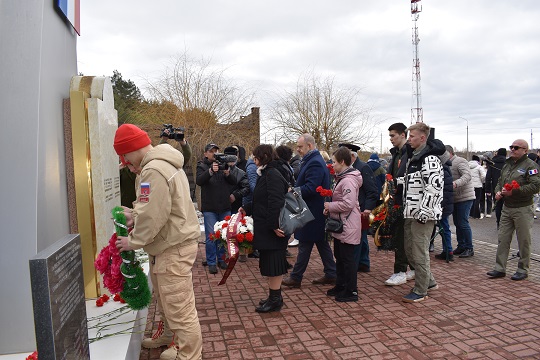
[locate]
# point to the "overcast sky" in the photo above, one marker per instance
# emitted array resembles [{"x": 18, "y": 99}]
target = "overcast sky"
[{"x": 480, "y": 60}]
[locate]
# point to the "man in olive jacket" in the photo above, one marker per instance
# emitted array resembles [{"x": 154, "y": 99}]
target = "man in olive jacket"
[
  {"x": 165, "y": 225},
  {"x": 517, "y": 213}
]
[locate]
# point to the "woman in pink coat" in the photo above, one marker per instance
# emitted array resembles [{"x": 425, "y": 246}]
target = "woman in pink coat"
[{"x": 345, "y": 206}]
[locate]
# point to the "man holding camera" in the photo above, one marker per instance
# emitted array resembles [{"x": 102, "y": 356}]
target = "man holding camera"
[
  {"x": 170, "y": 132},
  {"x": 214, "y": 178}
]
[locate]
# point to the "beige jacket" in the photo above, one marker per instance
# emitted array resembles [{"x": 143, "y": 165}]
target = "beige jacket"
[
  {"x": 461, "y": 173},
  {"x": 163, "y": 212}
]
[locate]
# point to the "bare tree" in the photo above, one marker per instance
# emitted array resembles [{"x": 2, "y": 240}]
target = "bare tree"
[
  {"x": 318, "y": 107},
  {"x": 195, "y": 87}
]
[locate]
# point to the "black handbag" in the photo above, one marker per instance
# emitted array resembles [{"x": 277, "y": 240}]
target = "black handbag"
[
  {"x": 333, "y": 225},
  {"x": 294, "y": 214}
]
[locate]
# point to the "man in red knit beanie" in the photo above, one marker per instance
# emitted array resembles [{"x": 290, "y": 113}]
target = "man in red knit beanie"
[{"x": 165, "y": 225}]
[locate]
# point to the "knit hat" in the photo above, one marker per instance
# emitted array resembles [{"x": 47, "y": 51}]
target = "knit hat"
[
  {"x": 501, "y": 152},
  {"x": 476, "y": 157},
  {"x": 374, "y": 157},
  {"x": 231, "y": 150},
  {"x": 129, "y": 138}
]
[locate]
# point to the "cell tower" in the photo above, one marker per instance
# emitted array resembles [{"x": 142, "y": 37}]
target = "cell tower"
[{"x": 417, "y": 114}]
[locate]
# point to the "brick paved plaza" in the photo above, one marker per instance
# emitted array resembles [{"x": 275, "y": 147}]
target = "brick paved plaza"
[{"x": 468, "y": 317}]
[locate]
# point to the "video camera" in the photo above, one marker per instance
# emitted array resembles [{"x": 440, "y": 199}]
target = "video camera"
[
  {"x": 223, "y": 160},
  {"x": 174, "y": 133}
]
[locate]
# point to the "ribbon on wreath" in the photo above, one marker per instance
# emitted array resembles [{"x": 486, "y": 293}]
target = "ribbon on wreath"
[{"x": 232, "y": 249}]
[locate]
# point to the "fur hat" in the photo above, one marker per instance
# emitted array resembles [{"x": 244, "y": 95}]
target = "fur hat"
[
  {"x": 129, "y": 138},
  {"x": 501, "y": 152}
]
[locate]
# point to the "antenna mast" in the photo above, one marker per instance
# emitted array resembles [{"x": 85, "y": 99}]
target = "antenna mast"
[{"x": 417, "y": 113}]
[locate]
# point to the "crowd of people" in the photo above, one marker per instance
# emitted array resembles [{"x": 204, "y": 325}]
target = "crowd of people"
[{"x": 430, "y": 182}]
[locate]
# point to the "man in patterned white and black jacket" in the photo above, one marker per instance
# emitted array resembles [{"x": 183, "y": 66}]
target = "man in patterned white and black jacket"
[{"x": 423, "y": 196}]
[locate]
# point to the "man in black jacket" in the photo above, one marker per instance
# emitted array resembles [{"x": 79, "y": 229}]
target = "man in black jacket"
[
  {"x": 367, "y": 198},
  {"x": 241, "y": 187},
  {"x": 397, "y": 167},
  {"x": 215, "y": 186},
  {"x": 492, "y": 177}
]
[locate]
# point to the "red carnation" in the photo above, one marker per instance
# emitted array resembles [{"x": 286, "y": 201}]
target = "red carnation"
[
  {"x": 389, "y": 177},
  {"x": 99, "y": 302},
  {"x": 319, "y": 189},
  {"x": 240, "y": 237},
  {"x": 515, "y": 184},
  {"x": 116, "y": 297},
  {"x": 224, "y": 225},
  {"x": 218, "y": 234},
  {"x": 331, "y": 169},
  {"x": 227, "y": 218},
  {"x": 33, "y": 356},
  {"x": 105, "y": 297},
  {"x": 249, "y": 237}
]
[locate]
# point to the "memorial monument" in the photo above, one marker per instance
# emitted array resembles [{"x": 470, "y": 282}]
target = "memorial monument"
[{"x": 92, "y": 166}]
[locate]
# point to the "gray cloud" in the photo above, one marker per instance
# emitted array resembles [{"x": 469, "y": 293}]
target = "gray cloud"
[{"x": 479, "y": 59}]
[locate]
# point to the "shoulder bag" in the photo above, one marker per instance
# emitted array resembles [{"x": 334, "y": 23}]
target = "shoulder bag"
[{"x": 295, "y": 214}]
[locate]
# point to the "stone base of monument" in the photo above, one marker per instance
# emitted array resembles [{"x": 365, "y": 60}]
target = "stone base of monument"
[{"x": 126, "y": 346}]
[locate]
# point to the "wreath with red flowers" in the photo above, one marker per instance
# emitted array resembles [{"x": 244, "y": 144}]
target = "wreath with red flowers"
[
  {"x": 244, "y": 235},
  {"x": 122, "y": 271}
]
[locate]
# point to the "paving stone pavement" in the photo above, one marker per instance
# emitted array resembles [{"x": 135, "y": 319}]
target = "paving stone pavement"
[{"x": 468, "y": 317}]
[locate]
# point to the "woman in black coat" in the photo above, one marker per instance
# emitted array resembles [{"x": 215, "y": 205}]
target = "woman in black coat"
[{"x": 268, "y": 238}]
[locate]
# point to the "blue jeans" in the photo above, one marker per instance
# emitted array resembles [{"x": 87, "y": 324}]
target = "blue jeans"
[
  {"x": 213, "y": 252},
  {"x": 446, "y": 234},
  {"x": 304, "y": 253},
  {"x": 461, "y": 221},
  {"x": 361, "y": 252}
]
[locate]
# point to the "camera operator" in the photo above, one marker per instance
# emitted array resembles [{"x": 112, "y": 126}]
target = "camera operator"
[
  {"x": 241, "y": 188},
  {"x": 169, "y": 132},
  {"x": 214, "y": 178}
]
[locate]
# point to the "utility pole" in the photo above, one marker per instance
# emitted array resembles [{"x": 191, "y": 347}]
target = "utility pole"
[{"x": 467, "y": 136}]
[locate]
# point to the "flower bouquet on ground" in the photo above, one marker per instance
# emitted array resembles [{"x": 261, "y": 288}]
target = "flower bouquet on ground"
[
  {"x": 384, "y": 218},
  {"x": 121, "y": 271},
  {"x": 235, "y": 234}
]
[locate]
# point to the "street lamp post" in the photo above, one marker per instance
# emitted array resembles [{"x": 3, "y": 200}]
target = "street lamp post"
[{"x": 467, "y": 136}]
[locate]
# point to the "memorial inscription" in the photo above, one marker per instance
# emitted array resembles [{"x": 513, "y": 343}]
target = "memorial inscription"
[{"x": 59, "y": 303}]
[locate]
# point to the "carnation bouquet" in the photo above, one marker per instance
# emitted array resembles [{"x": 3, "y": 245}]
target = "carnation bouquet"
[
  {"x": 235, "y": 234},
  {"x": 385, "y": 216}
]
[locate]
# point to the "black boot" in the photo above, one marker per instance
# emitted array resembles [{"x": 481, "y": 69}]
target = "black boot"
[{"x": 274, "y": 302}]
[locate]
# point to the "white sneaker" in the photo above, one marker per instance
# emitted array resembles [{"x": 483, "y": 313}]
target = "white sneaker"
[
  {"x": 161, "y": 337},
  {"x": 481, "y": 216},
  {"x": 294, "y": 243},
  {"x": 170, "y": 354},
  {"x": 396, "y": 279},
  {"x": 538, "y": 209},
  {"x": 488, "y": 215},
  {"x": 410, "y": 275}
]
